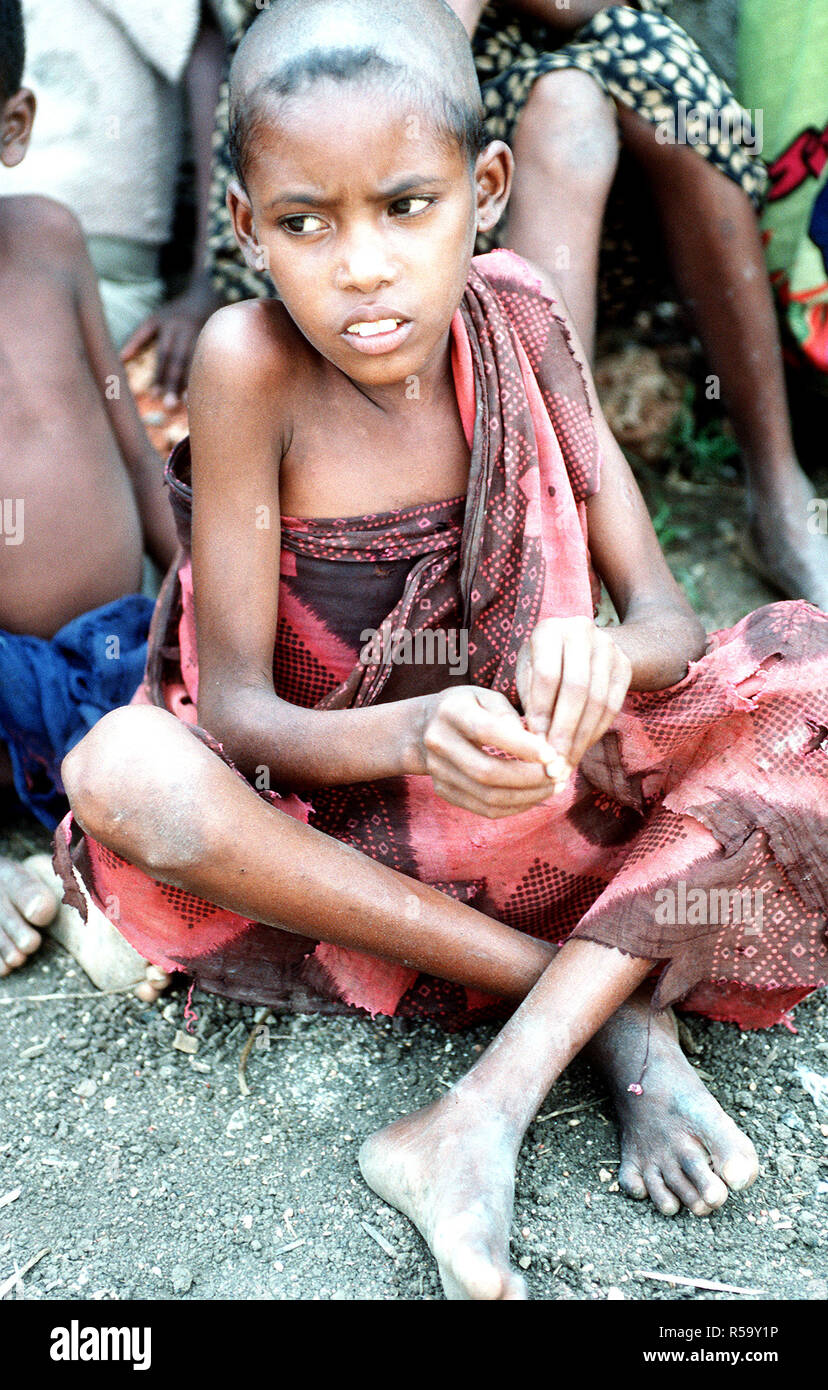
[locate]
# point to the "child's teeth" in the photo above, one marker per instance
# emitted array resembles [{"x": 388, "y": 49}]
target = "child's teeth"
[{"x": 367, "y": 330}]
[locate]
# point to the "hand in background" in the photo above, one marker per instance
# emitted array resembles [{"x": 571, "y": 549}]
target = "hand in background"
[{"x": 175, "y": 327}]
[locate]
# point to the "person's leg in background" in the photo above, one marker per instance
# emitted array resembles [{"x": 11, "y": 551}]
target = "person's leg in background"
[
  {"x": 566, "y": 153},
  {"x": 712, "y": 237},
  {"x": 566, "y": 150}
]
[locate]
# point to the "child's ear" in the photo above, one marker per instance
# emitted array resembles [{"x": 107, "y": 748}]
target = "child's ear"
[
  {"x": 241, "y": 213},
  {"x": 493, "y": 180},
  {"x": 16, "y": 119}
]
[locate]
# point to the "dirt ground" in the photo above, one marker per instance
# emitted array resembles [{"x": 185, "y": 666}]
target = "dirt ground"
[{"x": 142, "y": 1171}]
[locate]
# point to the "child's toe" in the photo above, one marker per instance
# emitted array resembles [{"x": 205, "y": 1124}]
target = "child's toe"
[
  {"x": 631, "y": 1181},
  {"x": 686, "y": 1190},
  {"x": 660, "y": 1195},
  {"x": 711, "y": 1189}
]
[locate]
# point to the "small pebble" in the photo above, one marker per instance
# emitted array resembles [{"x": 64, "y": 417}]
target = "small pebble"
[{"x": 182, "y": 1279}]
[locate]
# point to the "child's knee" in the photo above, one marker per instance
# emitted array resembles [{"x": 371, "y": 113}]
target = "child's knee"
[
  {"x": 570, "y": 123},
  {"x": 130, "y": 782}
]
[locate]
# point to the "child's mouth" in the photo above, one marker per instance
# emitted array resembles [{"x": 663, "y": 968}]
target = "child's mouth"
[{"x": 375, "y": 336}]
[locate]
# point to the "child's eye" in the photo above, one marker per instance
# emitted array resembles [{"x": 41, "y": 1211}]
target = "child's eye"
[
  {"x": 407, "y": 207},
  {"x": 302, "y": 223}
]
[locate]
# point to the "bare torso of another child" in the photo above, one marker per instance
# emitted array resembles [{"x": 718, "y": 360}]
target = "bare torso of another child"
[{"x": 71, "y": 532}]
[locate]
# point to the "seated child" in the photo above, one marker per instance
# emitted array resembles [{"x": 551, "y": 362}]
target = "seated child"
[
  {"x": 420, "y": 786},
  {"x": 80, "y": 496}
]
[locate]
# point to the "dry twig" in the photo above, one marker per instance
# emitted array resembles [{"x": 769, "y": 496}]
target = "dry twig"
[
  {"x": 17, "y": 1277},
  {"x": 379, "y": 1238},
  {"x": 697, "y": 1283}
]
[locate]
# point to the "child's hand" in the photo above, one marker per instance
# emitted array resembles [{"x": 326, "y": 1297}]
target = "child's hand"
[
  {"x": 572, "y": 679},
  {"x": 457, "y": 726},
  {"x": 174, "y": 328}
]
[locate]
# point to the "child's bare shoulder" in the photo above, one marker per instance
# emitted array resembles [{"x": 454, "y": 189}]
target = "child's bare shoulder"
[
  {"x": 250, "y": 374},
  {"x": 254, "y": 343},
  {"x": 37, "y": 225}
]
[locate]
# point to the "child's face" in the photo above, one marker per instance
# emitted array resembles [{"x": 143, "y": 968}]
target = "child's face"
[
  {"x": 16, "y": 117},
  {"x": 365, "y": 216}
]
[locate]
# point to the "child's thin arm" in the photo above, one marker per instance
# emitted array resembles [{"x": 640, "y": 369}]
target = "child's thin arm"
[
  {"x": 143, "y": 464},
  {"x": 240, "y": 423},
  {"x": 572, "y": 676},
  {"x": 658, "y": 631}
]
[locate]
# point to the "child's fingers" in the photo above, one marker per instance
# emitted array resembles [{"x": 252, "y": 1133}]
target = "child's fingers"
[
  {"x": 450, "y": 747},
  {"x": 452, "y": 785},
  {"x": 611, "y": 672},
  {"x": 545, "y": 678},
  {"x": 595, "y": 716},
  {"x": 490, "y": 722},
  {"x": 144, "y": 334},
  {"x": 573, "y": 695}
]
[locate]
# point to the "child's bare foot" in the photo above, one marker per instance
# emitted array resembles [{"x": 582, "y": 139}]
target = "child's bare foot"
[
  {"x": 451, "y": 1171},
  {"x": 675, "y": 1130},
  {"x": 97, "y": 945},
  {"x": 25, "y": 903},
  {"x": 785, "y": 544}
]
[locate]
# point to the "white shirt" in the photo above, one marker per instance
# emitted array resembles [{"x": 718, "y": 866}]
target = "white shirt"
[{"x": 107, "y": 134}]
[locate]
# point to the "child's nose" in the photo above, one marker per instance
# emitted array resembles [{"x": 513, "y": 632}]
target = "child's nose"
[{"x": 365, "y": 263}]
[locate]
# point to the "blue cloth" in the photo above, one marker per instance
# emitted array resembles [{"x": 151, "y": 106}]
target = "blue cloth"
[{"x": 52, "y": 692}]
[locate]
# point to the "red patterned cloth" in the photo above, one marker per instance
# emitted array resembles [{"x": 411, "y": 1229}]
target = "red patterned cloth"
[{"x": 694, "y": 834}]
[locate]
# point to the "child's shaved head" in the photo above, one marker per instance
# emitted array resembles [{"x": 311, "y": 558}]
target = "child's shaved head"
[
  {"x": 11, "y": 48},
  {"x": 415, "y": 48}
]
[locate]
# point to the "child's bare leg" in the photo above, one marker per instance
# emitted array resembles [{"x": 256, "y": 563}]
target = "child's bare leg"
[
  {"x": 712, "y": 235},
  {"x": 450, "y": 1167},
  {"x": 145, "y": 787},
  {"x": 566, "y": 153}
]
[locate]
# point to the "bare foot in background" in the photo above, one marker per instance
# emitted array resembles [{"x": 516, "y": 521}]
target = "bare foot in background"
[
  {"x": 26, "y": 903},
  {"x": 30, "y": 898}
]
